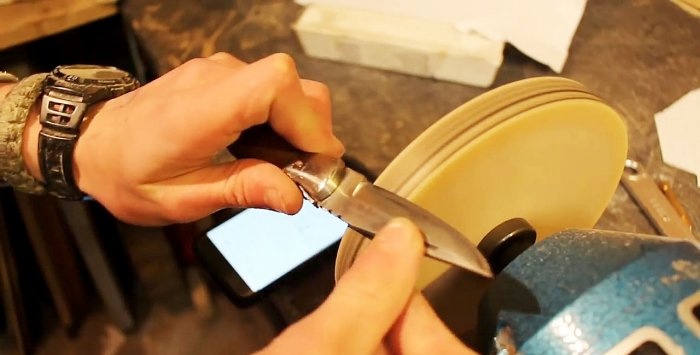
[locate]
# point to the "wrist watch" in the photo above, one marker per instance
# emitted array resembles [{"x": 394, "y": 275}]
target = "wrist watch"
[{"x": 69, "y": 91}]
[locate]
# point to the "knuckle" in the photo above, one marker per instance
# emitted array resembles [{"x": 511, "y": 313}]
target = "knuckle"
[
  {"x": 195, "y": 67},
  {"x": 222, "y": 55},
  {"x": 317, "y": 91},
  {"x": 323, "y": 88},
  {"x": 316, "y": 85},
  {"x": 283, "y": 64},
  {"x": 224, "y": 58},
  {"x": 195, "y": 63}
]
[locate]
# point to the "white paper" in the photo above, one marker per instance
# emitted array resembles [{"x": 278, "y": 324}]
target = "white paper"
[
  {"x": 542, "y": 29},
  {"x": 678, "y": 127}
]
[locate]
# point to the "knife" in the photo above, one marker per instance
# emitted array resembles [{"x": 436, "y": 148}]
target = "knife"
[{"x": 366, "y": 208}]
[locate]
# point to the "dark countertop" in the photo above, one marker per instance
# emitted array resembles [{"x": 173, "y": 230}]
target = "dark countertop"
[{"x": 640, "y": 56}]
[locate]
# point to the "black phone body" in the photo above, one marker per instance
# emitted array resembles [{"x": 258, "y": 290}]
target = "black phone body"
[{"x": 251, "y": 252}]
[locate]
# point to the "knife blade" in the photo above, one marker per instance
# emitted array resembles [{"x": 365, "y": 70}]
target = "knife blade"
[{"x": 367, "y": 208}]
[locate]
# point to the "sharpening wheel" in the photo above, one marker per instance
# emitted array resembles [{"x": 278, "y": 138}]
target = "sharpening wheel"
[{"x": 542, "y": 149}]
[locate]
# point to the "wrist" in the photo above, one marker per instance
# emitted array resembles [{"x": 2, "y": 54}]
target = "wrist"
[
  {"x": 84, "y": 155},
  {"x": 30, "y": 143}
]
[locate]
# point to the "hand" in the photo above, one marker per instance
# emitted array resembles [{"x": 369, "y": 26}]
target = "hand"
[
  {"x": 157, "y": 155},
  {"x": 375, "y": 307}
]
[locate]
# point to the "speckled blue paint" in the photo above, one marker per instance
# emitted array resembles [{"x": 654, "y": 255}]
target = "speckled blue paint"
[{"x": 602, "y": 285}]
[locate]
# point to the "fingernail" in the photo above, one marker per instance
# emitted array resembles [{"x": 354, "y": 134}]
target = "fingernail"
[{"x": 338, "y": 146}]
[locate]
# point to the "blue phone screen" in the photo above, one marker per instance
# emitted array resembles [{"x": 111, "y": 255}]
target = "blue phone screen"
[{"x": 263, "y": 245}]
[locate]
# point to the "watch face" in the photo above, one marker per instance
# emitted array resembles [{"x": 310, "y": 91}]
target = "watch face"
[{"x": 93, "y": 72}]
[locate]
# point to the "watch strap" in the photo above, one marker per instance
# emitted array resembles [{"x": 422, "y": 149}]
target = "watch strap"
[
  {"x": 14, "y": 110},
  {"x": 60, "y": 126},
  {"x": 56, "y": 154}
]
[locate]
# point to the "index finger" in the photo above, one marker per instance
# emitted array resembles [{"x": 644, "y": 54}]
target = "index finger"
[{"x": 266, "y": 91}]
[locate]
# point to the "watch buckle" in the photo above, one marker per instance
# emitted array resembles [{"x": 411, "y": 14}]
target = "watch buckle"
[{"x": 62, "y": 115}]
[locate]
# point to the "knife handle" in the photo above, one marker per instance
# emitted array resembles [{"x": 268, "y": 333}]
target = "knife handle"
[{"x": 263, "y": 143}]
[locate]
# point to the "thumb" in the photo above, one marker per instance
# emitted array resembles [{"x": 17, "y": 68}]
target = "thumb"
[
  {"x": 368, "y": 298},
  {"x": 239, "y": 183}
]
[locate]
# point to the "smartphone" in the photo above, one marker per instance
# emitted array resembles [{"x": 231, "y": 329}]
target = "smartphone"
[{"x": 252, "y": 251}]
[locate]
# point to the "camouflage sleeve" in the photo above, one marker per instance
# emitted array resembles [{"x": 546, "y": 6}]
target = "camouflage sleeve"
[{"x": 14, "y": 110}]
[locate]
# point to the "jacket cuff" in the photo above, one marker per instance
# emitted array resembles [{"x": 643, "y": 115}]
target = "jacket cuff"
[{"x": 14, "y": 110}]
